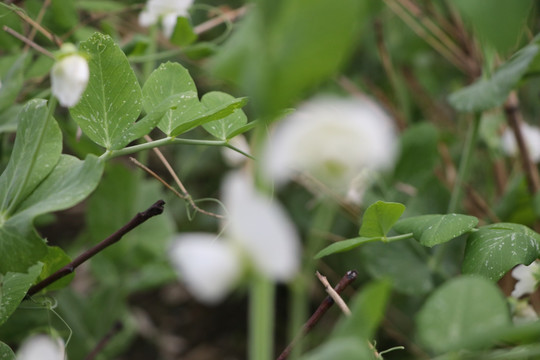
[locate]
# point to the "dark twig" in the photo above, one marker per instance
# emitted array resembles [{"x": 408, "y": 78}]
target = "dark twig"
[
  {"x": 155, "y": 209},
  {"x": 117, "y": 327},
  {"x": 345, "y": 281},
  {"x": 514, "y": 118},
  {"x": 28, "y": 42}
]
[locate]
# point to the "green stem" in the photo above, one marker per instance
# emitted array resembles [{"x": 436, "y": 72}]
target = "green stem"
[
  {"x": 261, "y": 318},
  {"x": 150, "y": 63},
  {"x": 464, "y": 164},
  {"x": 299, "y": 309},
  {"x": 399, "y": 237},
  {"x": 109, "y": 154}
]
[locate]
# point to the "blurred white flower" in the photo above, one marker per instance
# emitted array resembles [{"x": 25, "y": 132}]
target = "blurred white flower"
[
  {"x": 209, "y": 267},
  {"x": 531, "y": 136},
  {"x": 523, "y": 312},
  {"x": 334, "y": 140},
  {"x": 165, "y": 10},
  {"x": 527, "y": 279},
  {"x": 257, "y": 230},
  {"x": 69, "y": 77},
  {"x": 234, "y": 158},
  {"x": 42, "y": 347}
]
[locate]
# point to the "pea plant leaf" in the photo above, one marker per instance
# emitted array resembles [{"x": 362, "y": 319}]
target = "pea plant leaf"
[
  {"x": 495, "y": 249},
  {"x": 489, "y": 93},
  {"x": 431, "y": 230},
  {"x": 379, "y": 218},
  {"x": 12, "y": 83},
  {"x": 225, "y": 127},
  {"x": 221, "y": 111},
  {"x": 5, "y": 352},
  {"x": 13, "y": 288},
  {"x": 462, "y": 308},
  {"x": 112, "y": 100},
  {"x": 35, "y": 153},
  {"x": 345, "y": 245},
  {"x": 170, "y": 79}
]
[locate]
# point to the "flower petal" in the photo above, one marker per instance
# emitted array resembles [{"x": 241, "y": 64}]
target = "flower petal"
[
  {"x": 262, "y": 228},
  {"x": 69, "y": 77},
  {"x": 41, "y": 347},
  {"x": 208, "y": 267}
]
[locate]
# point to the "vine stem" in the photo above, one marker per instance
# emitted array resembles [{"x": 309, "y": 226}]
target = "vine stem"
[
  {"x": 138, "y": 219},
  {"x": 464, "y": 164},
  {"x": 261, "y": 318}
]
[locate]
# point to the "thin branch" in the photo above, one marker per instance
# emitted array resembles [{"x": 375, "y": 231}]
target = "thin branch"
[
  {"x": 155, "y": 209},
  {"x": 117, "y": 327},
  {"x": 218, "y": 20},
  {"x": 28, "y": 42},
  {"x": 345, "y": 281},
  {"x": 333, "y": 294},
  {"x": 38, "y": 20},
  {"x": 514, "y": 118},
  {"x": 184, "y": 196}
]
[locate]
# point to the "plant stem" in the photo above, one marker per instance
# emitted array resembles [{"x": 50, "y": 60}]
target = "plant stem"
[
  {"x": 261, "y": 318},
  {"x": 464, "y": 164},
  {"x": 155, "y": 209},
  {"x": 109, "y": 154},
  {"x": 345, "y": 281},
  {"x": 150, "y": 64},
  {"x": 117, "y": 327}
]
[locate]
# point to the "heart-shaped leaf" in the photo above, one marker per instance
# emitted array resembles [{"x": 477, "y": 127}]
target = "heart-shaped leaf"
[
  {"x": 380, "y": 217},
  {"x": 495, "y": 249},
  {"x": 225, "y": 127}
]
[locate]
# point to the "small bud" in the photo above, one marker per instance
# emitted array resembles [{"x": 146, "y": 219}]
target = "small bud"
[{"x": 69, "y": 77}]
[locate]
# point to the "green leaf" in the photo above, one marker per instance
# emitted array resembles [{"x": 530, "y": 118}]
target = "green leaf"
[
  {"x": 112, "y": 100},
  {"x": 344, "y": 245},
  {"x": 400, "y": 261},
  {"x": 183, "y": 32},
  {"x": 269, "y": 52},
  {"x": 6, "y": 353},
  {"x": 71, "y": 181},
  {"x": 380, "y": 217},
  {"x": 149, "y": 122},
  {"x": 489, "y": 93},
  {"x": 217, "y": 113},
  {"x": 495, "y": 249},
  {"x": 20, "y": 246},
  {"x": 367, "y": 311},
  {"x": 244, "y": 128},
  {"x": 9, "y": 119},
  {"x": 12, "y": 83},
  {"x": 504, "y": 25},
  {"x": 462, "y": 308},
  {"x": 431, "y": 230},
  {"x": 13, "y": 288},
  {"x": 170, "y": 79},
  {"x": 36, "y": 151},
  {"x": 225, "y": 127},
  {"x": 55, "y": 259}
]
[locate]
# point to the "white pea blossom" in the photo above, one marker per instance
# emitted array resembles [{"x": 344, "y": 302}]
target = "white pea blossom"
[
  {"x": 527, "y": 279},
  {"x": 531, "y": 136},
  {"x": 69, "y": 77},
  {"x": 335, "y": 140},
  {"x": 257, "y": 230},
  {"x": 165, "y": 10},
  {"x": 42, "y": 347}
]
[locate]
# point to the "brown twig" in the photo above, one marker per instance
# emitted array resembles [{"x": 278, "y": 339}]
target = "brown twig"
[
  {"x": 514, "y": 118},
  {"x": 37, "y": 26},
  {"x": 186, "y": 196},
  {"x": 333, "y": 294},
  {"x": 117, "y": 327},
  {"x": 345, "y": 281},
  {"x": 218, "y": 20},
  {"x": 28, "y": 42},
  {"x": 155, "y": 209},
  {"x": 38, "y": 20}
]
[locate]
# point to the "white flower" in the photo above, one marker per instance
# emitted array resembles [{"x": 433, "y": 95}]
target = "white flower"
[
  {"x": 531, "y": 136},
  {"x": 69, "y": 77},
  {"x": 234, "y": 158},
  {"x": 526, "y": 277},
  {"x": 523, "y": 313},
  {"x": 257, "y": 229},
  {"x": 209, "y": 267},
  {"x": 42, "y": 347},
  {"x": 166, "y": 10},
  {"x": 333, "y": 140}
]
